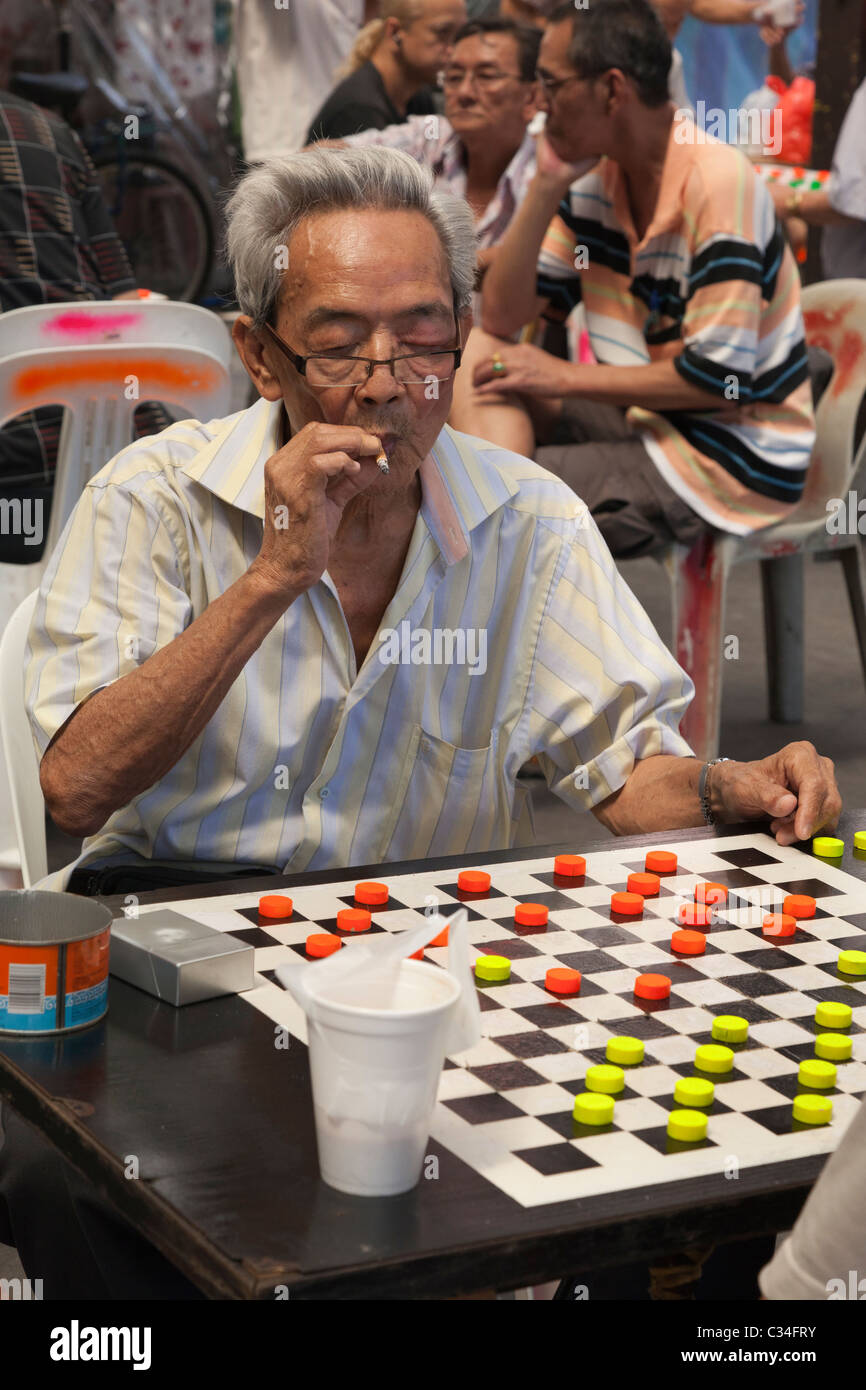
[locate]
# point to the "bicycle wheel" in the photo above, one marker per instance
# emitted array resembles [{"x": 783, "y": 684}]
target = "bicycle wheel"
[{"x": 162, "y": 220}]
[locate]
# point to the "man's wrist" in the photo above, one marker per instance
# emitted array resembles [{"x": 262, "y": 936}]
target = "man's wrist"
[{"x": 711, "y": 790}]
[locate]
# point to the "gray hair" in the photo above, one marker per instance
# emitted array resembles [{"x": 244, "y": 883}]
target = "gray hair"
[{"x": 274, "y": 198}]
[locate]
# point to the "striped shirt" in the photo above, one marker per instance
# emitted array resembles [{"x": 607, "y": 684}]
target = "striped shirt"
[
  {"x": 510, "y": 634},
  {"x": 435, "y": 144},
  {"x": 713, "y": 287}
]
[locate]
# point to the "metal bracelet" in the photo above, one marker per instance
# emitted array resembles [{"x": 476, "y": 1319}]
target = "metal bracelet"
[{"x": 703, "y": 797}]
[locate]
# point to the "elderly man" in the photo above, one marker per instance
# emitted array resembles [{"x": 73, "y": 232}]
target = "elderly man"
[
  {"x": 246, "y": 705},
  {"x": 698, "y": 412},
  {"x": 222, "y": 594}
]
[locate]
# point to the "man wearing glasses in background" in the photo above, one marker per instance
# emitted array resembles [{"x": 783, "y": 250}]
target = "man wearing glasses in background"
[{"x": 480, "y": 149}]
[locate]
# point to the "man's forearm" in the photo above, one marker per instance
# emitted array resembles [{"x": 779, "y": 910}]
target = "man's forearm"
[
  {"x": 815, "y": 208},
  {"x": 657, "y": 386},
  {"x": 509, "y": 299},
  {"x": 661, "y": 794},
  {"x": 725, "y": 11},
  {"x": 131, "y": 734}
]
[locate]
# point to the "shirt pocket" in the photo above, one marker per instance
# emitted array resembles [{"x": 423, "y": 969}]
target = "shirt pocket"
[{"x": 449, "y": 803}]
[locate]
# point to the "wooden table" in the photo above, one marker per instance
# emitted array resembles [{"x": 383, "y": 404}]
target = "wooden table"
[{"x": 222, "y": 1125}]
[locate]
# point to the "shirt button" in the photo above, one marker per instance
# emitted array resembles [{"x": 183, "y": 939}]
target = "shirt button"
[{"x": 325, "y": 792}]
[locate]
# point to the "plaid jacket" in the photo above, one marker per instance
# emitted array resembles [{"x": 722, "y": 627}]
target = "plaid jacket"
[{"x": 57, "y": 243}]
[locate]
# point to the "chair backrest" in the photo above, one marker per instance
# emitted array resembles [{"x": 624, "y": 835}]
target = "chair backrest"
[
  {"x": 834, "y": 312},
  {"x": 102, "y": 359},
  {"x": 22, "y": 764}
]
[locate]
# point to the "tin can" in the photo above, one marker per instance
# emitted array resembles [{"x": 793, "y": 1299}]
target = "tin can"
[{"x": 53, "y": 962}]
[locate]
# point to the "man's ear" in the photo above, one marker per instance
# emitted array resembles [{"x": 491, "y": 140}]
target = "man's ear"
[
  {"x": 532, "y": 104},
  {"x": 252, "y": 352}
]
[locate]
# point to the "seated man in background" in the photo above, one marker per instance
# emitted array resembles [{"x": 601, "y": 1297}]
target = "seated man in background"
[
  {"x": 394, "y": 63},
  {"x": 480, "y": 150},
  {"x": 698, "y": 412}
]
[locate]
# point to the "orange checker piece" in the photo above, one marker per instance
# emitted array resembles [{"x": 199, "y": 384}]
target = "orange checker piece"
[
  {"x": 652, "y": 987},
  {"x": 699, "y": 915},
  {"x": 626, "y": 904},
  {"x": 562, "y": 981},
  {"x": 354, "y": 919},
  {"x": 710, "y": 893},
  {"x": 570, "y": 865},
  {"x": 441, "y": 939},
  {"x": 473, "y": 881},
  {"x": 798, "y": 905},
  {"x": 417, "y": 955},
  {"x": 373, "y": 894},
  {"x": 647, "y": 885},
  {"x": 323, "y": 943},
  {"x": 660, "y": 861},
  {"x": 530, "y": 914},
  {"x": 779, "y": 924},
  {"x": 275, "y": 905},
  {"x": 688, "y": 943}
]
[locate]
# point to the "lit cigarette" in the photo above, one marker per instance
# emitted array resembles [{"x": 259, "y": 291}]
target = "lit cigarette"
[{"x": 382, "y": 462}]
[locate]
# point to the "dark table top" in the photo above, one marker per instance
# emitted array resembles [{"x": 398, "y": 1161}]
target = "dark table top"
[{"x": 222, "y": 1125}]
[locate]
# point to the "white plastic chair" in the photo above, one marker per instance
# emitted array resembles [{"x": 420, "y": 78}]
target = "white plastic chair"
[
  {"x": 22, "y": 764},
  {"x": 835, "y": 317},
  {"x": 102, "y": 359}
]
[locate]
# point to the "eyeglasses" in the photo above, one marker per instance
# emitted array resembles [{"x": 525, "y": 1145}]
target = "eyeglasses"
[
  {"x": 452, "y": 78},
  {"x": 411, "y": 369},
  {"x": 551, "y": 85}
]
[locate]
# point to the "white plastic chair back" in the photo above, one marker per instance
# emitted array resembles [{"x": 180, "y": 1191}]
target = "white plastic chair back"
[
  {"x": 834, "y": 312},
  {"x": 101, "y": 360}
]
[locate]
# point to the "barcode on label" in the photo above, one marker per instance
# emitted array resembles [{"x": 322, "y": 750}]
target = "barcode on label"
[{"x": 26, "y": 989}]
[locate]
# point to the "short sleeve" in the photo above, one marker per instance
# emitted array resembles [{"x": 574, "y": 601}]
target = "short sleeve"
[
  {"x": 847, "y": 185},
  {"x": 409, "y": 135},
  {"x": 348, "y": 120},
  {"x": 557, "y": 281},
  {"x": 737, "y": 255},
  {"x": 606, "y": 691},
  {"x": 115, "y": 591}
]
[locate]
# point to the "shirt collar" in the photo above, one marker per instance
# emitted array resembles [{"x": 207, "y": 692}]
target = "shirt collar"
[
  {"x": 668, "y": 212},
  {"x": 461, "y": 483}
]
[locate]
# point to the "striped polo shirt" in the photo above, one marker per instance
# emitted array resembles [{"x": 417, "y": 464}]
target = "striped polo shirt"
[
  {"x": 713, "y": 287},
  {"x": 510, "y": 634}
]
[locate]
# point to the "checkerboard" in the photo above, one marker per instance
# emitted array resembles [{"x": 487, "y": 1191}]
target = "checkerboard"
[{"x": 505, "y": 1106}]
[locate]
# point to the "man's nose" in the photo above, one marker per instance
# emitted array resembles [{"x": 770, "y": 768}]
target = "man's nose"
[{"x": 381, "y": 385}]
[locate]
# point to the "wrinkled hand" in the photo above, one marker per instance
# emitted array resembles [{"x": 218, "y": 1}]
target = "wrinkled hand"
[
  {"x": 795, "y": 787},
  {"x": 529, "y": 370}
]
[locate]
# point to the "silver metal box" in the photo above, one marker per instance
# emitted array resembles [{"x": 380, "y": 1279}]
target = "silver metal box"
[{"x": 177, "y": 959}]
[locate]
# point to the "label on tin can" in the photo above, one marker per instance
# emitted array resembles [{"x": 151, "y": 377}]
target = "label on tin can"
[
  {"x": 32, "y": 1000},
  {"x": 86, "y": 980},
  {"x": 28, "y": 989}
]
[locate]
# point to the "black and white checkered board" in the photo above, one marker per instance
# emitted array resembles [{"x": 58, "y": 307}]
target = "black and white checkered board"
[{"x": 506, "y": 1109}]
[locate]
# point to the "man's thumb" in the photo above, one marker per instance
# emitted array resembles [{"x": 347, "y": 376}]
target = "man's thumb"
[{"x": 778, "y": 800}]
